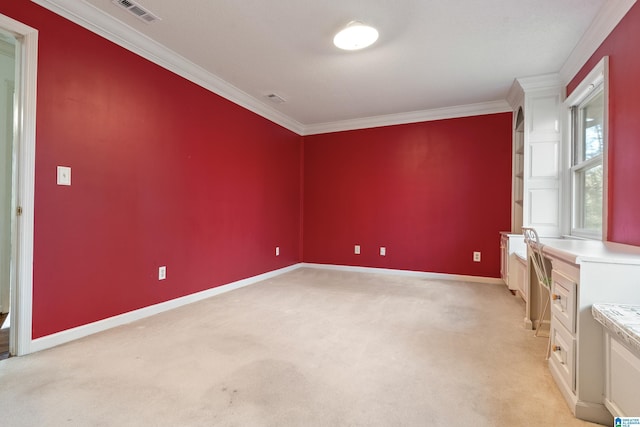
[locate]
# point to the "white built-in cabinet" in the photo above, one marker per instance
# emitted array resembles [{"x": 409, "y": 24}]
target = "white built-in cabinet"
[
  {"x": 537, "y": 154},
  {"x": 586, "y": 272},
  {"x": 536, "y": 171}
]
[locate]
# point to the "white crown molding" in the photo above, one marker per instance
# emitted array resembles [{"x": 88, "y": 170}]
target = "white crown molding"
[
  {"x": 99, "y": 22},
  {"x": 541, "y": 82},
  {"x": 103, "y": 24},
  {"x": 493, "y": 107},
  {"x": 522, "y": 85},
  {"x": 610, "y": 14}
]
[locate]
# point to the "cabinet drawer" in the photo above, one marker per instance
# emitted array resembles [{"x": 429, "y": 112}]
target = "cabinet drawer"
[
  {"x": 563, "y": 300},
  {"x": 563, "y": 352}
]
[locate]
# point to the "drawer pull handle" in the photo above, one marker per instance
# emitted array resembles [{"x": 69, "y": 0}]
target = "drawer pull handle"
[
  {"x": 556, "y": 348},
  {"x": 555, "y": 297}
]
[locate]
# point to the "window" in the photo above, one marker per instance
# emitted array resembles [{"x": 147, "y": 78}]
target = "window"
[{"x": 588, "y": 150}]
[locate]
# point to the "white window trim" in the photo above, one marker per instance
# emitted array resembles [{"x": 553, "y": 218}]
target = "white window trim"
[{"x": 597, "y": 76}]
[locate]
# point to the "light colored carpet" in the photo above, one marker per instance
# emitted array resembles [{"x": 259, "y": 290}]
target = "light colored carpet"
[{"x": 308, "y": 348}]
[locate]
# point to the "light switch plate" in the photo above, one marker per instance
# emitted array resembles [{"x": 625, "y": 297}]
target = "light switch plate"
[
  {"x": 162, "y": 272},
  {"x": 64, "y": 175},
  {"x": 383, "y": 251},
  {"x": 277, "y": 250},
  {"x": 356, "y": 249}
]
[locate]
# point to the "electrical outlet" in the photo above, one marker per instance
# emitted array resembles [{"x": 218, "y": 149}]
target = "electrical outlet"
[
  {"x": 383, "y": 251},
  {"x": 356, "y": 249},
  {"x": 64, "y": 175},
  {"x": 162, "y": 272},
  {"x": 476, "y": 257},
  {"x": 277, "y": 250}
]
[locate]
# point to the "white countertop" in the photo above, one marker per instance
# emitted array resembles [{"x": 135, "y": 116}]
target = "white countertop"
[
  {"x": 579, "y": 251},
  {"x": 621, "y": 319}
]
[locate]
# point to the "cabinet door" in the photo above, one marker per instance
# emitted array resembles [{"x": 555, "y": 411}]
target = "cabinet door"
[
  {"x": 623, "y": 377},
  {"x": 542, "y": 161}
]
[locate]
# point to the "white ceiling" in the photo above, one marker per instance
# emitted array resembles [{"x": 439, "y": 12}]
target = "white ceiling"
[{"x": 431, "y": 55}]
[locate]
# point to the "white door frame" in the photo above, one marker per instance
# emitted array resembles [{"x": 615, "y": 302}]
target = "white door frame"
[{"x": 24, "y": 183}]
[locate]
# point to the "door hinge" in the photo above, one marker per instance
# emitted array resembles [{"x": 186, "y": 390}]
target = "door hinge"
[{"x": 19, "y": 210}]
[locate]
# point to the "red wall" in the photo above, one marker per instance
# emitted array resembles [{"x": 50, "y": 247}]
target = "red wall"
[
  {"x": 167, "y": 173},
  {"x": 163, "y": 173},
  {"x": 624, "y": 126},
  {"x": 431, "y": 193}
]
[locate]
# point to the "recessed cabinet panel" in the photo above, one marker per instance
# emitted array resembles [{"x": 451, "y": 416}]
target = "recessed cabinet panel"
[
  {"x": 624, "y": 377},
  {"x": 563, "y": 354},
  {"x": 544, "y": 160},
  {"x": 544, "y": 114},
  {"x": 543, "y": 209}
]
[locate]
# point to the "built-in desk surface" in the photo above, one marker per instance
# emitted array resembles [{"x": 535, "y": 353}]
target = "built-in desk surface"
[{"x": 577, "y": 251}]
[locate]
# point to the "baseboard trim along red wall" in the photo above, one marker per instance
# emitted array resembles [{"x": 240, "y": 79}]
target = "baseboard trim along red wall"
[
  {"x": 429, "y": 193},
  {"x": 82, "y": 331}
]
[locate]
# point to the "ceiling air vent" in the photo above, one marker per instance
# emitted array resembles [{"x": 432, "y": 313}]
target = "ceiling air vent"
[
  {"x": 275, "y": 98},
  {"x": 136, "y": 10}
]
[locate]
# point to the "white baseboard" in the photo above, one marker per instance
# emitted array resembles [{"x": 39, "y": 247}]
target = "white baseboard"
[
  {"x": 68, "y": 335},
  {"x": 408, "y": 273}
]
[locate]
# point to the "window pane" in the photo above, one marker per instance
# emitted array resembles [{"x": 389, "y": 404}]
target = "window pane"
[
  {"x": 590, "y": 182},
  {"x": 592, "y": 137}
]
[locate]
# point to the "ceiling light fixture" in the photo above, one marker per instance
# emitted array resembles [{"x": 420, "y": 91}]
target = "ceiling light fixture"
[{"x": 355, "y": 35}]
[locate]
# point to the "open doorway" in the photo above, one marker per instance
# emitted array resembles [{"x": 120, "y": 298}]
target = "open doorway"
[
  {"x": 7, "y": 240},
  {"x": 17, "y": 156}
]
